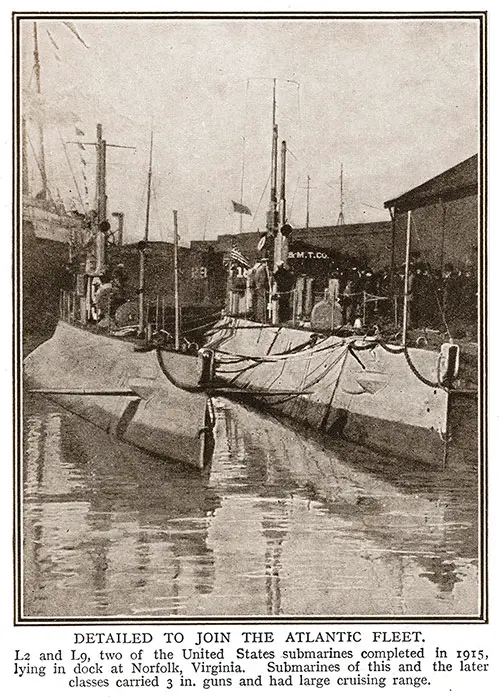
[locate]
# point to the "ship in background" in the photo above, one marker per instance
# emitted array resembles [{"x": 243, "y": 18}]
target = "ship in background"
[
  {"x": 48, "y": 238},
  {"x": 49, "y": 231}
]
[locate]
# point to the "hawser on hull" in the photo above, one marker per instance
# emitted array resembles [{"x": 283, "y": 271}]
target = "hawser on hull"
[
  {"x": 123, "y": 391},
  {"x": 383, "y": 396}
]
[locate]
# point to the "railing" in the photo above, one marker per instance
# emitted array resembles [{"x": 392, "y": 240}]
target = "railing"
[
  {"x": 75, "y": 308},
  {"x": 69, "y": 306}
]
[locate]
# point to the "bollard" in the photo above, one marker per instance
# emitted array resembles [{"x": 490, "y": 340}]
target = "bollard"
[{"x": 207, "y": 366}]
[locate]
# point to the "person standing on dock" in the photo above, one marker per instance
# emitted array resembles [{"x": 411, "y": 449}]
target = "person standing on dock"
[{"x": 347, "y": 302}]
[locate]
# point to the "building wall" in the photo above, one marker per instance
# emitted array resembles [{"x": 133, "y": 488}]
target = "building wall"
[
  {"x": 199, "y": 278},
  {"x": 369, "y": 243},
  {"x": 443, "y": 232},
  {"x": 203, "y": 276}
]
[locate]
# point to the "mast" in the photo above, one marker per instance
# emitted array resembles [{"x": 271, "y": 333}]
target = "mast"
[
  {"x": 148, "y": 202},
  {"x": 25, "y": 183},
  {"x": 272, "y": 216},
  {"x": 407, "y": 280},
  {"x": 38, "y": 79},
  {"x": 142, "y": 247},
  {"x": 340, "y": 219},
  {"x": 241, "y": 183},
  {"x": 176, "y": 286},
  {"x": 283, "y": 183},
  {"x": 307, "y": 201},
  {"x": 102, "y": 224},
  {"x": 281, "y": 240}
]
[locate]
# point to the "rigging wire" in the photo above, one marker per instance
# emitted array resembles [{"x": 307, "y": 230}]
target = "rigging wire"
[
  {"x": 244, "y": 143},
  {"x": 262, "y": 196},
  {"x": 71, "y": 170}
]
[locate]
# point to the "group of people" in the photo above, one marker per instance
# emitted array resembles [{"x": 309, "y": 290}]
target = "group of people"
[
  {"x": 251, "y": 290},
  {"x": 435, "y": 297}
]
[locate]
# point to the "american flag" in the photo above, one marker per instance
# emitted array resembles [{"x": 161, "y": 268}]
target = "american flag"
[
  {"x": 236, "y": 256},
  {"x": 240, "y": 208}
]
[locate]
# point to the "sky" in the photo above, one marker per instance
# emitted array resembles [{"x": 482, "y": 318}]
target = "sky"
[{"x": 394, "y": 102}]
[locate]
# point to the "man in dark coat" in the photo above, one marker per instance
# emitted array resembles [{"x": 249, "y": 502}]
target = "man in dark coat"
[{"x": 285, "y": 281}]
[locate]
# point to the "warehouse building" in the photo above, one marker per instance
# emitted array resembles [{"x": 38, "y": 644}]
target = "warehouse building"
[{"x": 444, "y": 218}]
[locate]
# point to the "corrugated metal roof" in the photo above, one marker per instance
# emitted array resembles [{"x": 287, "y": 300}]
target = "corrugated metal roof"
[{"x": 457, "y": 182}]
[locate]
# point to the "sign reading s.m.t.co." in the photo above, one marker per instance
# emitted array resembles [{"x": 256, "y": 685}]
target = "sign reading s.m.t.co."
[{"x": 308, "y": 255}]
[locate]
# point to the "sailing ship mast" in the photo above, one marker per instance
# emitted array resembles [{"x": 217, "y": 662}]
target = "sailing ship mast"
[{"x": 41, "y": 156}]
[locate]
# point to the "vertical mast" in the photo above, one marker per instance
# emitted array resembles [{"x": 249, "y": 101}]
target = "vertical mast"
[
  {"x": 41, "y": 163},
  {"x": 272, "y": 218},
  {"x": 283, "y": 182},
  {"x": 102, "y": 225},
  {"x": 274, "y": 180},
  {"x": 101, "y": 176},
  {"x": 307, "y": 201},
  {"x": 241, "y": 182},
  {"x": 281, "y": 240},
  {"x": 340, "y": 219},
  {"x": 176, "y": 285},
  {"x": 142, "y": 246},
  {"x": 407, "y": 280},
  {"x": 25, "y": 183},
  {"x": 148, "y": 202}
]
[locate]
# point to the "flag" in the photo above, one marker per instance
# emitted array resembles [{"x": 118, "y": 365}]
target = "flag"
[
  {"x": 79, "y": 134},
  {"x": 240, "y": 208},
  {"x": 236, "y": 256}
]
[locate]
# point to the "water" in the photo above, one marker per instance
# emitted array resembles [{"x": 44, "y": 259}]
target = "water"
[{"x": 281, "y": 525}]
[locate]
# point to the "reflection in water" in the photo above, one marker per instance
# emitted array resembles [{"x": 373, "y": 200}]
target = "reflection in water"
[{"x": 280, "y": 525}]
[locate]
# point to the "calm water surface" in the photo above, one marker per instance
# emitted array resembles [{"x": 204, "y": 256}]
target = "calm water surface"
[{"x": 280, "y": 525}]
